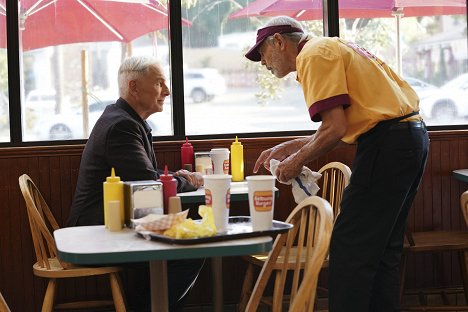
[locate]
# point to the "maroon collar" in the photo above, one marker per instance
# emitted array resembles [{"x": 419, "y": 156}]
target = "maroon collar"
[{"x": 301, "y": 45}]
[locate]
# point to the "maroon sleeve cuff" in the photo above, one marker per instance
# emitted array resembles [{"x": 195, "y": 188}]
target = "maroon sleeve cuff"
[{"x": 326, "y": 104}]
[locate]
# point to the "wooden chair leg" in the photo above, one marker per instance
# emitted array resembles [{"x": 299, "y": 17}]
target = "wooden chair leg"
[
  {"x": 49, "y": 297},
  {"x": 277, "y": 293},
  {"x": 246, "y": 287},
  {"x": 119, "y": 301},
  {"x": 119, "y": 280},
  {"x": 463, "y": 258}
]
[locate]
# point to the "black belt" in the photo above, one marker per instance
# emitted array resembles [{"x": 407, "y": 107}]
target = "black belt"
[{"x": 408, "y": 125}]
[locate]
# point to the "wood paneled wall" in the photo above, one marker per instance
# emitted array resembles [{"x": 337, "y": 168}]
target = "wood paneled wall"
[{"x": 55, "y": 170}]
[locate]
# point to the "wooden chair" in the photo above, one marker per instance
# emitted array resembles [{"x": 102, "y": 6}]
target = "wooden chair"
[
  {"x": 335, "y": 178},
  {"x": 437, "y": 242},
  {"x": 3, "y": 305},
  {"x": 310, "y": 237},
  {"x": 42, "y": 224}
]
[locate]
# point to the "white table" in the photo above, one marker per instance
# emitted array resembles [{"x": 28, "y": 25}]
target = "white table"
[
  {"x": 86, "y": 245},
  {"x": 461, "y": 174}
]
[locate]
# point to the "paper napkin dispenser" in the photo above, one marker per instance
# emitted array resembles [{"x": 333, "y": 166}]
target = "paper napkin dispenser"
[{"x": 142, "y": 198}]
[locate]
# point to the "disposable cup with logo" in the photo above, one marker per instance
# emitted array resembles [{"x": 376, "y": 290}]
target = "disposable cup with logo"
[
  {"x": 261, "y": 201},
  {"x": 218, "y": 197},
  {"x": 220, "y": 160}
]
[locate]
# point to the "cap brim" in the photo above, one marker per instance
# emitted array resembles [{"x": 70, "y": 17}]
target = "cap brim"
[{"x": 253, "y": 53}]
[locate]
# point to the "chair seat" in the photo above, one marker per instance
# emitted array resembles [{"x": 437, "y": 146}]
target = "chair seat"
[
  {"x": 437, "y": 241},
  {"x": 57, "y": 271}
]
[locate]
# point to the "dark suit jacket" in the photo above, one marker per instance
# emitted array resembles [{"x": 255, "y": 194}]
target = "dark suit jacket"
[{"x": 120, "y": 139}]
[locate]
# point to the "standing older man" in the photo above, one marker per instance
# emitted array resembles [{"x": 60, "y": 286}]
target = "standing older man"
[
  {"x": 122, "y": 139},
  {"x": 358, "y": 99}
]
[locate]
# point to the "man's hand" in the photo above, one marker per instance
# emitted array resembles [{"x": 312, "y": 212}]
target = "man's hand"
[
  {"x": 278, "y": 152},
  {"x": 288, "y": 169},
  {"x": 194, "y": 178}
]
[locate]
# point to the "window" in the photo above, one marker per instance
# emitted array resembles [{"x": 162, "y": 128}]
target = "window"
[
  {"x": 69, "y": 73},
  {"x": 71, "y": 54},
  {"x": 427, "y": 45},
  {"x": 226, "y": 93}
]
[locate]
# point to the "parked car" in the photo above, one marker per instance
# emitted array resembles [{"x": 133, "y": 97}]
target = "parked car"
[
  {"x": 422, "y": 88},
  {"x": 203, "y": 84},
  {"x": 68, "y": 126},
  {"x": 449, "y": 102},
  {"x": 43, "y": 101}
]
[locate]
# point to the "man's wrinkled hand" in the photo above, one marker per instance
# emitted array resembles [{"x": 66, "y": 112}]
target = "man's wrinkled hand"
[
  {"x": 194, "y": 178},
  {"x": 288, "y": 169},
  {"x": 278, "y": 152},
  {"x": 263, "y": 159}
]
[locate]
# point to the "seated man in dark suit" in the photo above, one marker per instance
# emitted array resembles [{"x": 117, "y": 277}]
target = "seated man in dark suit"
[{"x": 122, "y": 139}]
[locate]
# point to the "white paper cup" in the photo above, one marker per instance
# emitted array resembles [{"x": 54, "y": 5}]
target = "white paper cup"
[
  {"x": 220, "y": 160},
  {"x": 261, "y": 201},
  {"x": 218, "y": 197}
]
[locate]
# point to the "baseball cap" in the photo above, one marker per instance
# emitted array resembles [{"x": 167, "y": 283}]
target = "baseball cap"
[{"x": 266, "y": 32}]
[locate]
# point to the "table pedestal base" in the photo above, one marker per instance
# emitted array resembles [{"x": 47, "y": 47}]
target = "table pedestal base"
[{"x": 159, "y": 293}]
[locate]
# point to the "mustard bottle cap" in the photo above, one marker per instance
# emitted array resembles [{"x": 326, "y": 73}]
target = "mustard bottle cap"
[
  {"x": 236, "y": 142},
  {"x": 113, "y": 178}
]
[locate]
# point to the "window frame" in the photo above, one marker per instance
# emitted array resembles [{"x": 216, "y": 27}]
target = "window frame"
[{"x": 331, "y": 28}]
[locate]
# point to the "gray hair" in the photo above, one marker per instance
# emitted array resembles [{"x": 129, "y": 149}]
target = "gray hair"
[
  {"x": 132, "y": 68},
  {"x": 286, "y": 20}
]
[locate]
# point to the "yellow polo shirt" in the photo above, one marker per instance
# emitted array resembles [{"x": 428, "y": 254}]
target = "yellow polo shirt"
[{"x": 335, "y": 72}]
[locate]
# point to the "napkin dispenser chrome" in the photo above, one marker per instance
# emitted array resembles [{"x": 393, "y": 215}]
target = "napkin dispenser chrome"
[{"x": 142, "y": 198}]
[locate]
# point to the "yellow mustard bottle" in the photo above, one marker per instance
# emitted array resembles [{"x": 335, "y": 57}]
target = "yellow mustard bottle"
[
  {"x": 237, "y": 161},
  {"x": 113, "y": 191}
]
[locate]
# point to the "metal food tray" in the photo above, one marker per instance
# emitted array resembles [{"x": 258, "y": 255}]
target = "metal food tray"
[{"x": 238, "y": 227}]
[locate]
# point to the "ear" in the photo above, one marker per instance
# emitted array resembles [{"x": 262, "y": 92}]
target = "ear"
[
  {"x": 279, "y": 40},
  {"x": 132, "y": 87}
]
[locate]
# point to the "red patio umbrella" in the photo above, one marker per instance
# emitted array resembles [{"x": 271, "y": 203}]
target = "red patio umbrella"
[
  {"x": 53, "y": 22},
  {"x": 252, "y": 9},
  {"x": 312, "y": 9}
]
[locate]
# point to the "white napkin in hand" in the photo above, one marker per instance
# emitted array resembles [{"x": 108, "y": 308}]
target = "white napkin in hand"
[{"x": 304, "y": 185}]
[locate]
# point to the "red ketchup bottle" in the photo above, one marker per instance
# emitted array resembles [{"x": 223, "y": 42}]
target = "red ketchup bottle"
[
  {"x": 169, "y": 187},
  {"x": 186, "y": 155}
]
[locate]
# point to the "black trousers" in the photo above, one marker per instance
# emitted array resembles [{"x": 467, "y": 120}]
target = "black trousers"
[{"x": 367, "y": 239}]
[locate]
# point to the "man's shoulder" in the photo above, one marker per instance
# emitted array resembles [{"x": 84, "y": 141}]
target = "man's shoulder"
[
  {"x": 114, "y": 115},
  {"x": 114, "y": 118},
  {"x": 323, "y": 47}
]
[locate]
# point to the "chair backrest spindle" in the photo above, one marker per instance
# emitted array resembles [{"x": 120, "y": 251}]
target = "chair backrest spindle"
[{"x": 335, "y": 178}]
